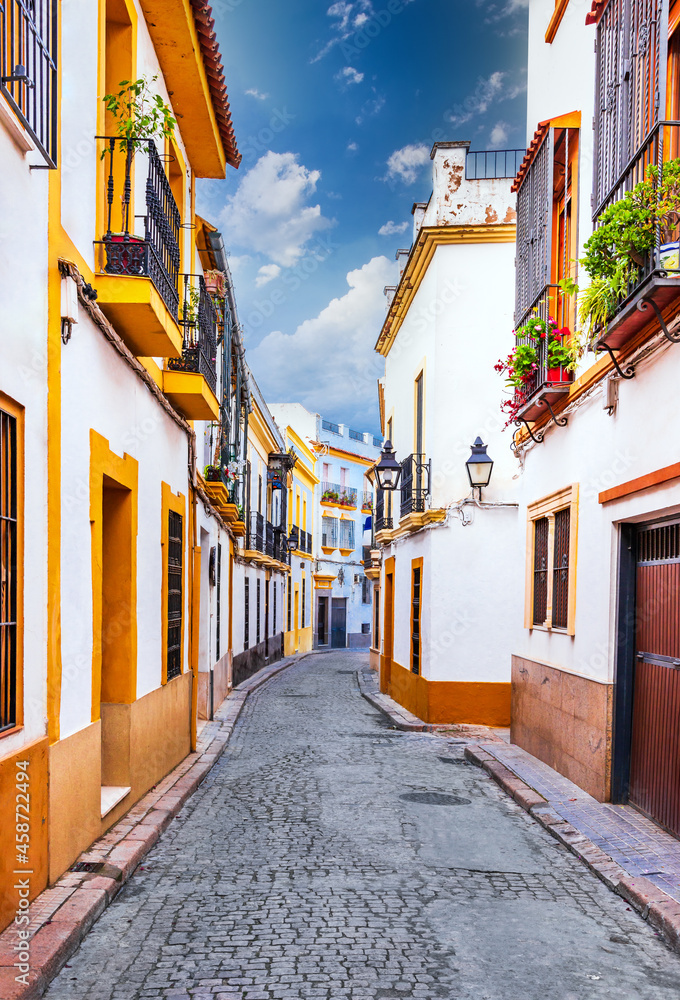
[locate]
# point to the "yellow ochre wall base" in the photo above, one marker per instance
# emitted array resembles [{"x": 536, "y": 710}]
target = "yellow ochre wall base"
[
  {"x": 374, "y": 660},
  {"x": 475, "y": 703},
  {"x": 13, "y": 887},
  {"x": 221, "y": 685},
  {"x": 305, "y": 641},
  {"x": 144, "y": 740}
]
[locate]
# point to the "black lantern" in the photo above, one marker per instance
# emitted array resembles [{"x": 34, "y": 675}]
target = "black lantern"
[
  {"x": 388, "y": 470},
  {"x": 479, "y": 466},
  {"x": 292, "y": 539}
]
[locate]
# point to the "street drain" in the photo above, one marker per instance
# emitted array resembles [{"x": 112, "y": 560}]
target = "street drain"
[
  {"x": 435, "y": 799},
  {"x": 454, "y": 760},
  {"x": 98, "y": 868}
]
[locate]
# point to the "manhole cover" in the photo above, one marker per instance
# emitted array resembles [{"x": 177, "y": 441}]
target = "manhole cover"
[
  {"x": 435, "y": 799},
  {"x": 454, "y": 760}
]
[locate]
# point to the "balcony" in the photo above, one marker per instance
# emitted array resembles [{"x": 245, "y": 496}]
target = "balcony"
[
  {"x": 281, "y": 553},
  {"x": 138, "y": 281},
  {"x": 547, "y": 385},
  {"x": 334, "y": 495},
  {"x": 490, "y": 164},
  {"x": 222, "y": 493},
  {"x": 383, "y": 512},
  {"x": 653, "y": 291},
  {"x": 367, "y": 502},
  {"x": 415, "y": 484},
  {"x": 303, "y": 540},
  {"x": 190, "y": 382}
]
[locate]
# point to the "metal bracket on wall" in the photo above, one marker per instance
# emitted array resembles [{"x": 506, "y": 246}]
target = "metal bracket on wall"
[
  {"x": 538, "y": 439},
  {"x": 644, "y": 304},
  {"x": 629, "y": 372},
  {"x": 560, "y": 421}
]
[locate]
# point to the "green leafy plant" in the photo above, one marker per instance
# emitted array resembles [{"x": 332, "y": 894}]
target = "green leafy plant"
[{"x": 140, "y": 113}]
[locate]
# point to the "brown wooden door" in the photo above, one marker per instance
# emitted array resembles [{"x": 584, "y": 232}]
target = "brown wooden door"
[{"x": 655, "y": 748}]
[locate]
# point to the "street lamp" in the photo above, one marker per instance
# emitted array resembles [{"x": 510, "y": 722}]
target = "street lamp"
[
  {"x": 388, "y": 470},
  {"x": 479, "y": 466}
]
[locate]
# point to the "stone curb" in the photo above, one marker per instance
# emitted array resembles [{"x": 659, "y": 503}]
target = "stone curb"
[
  {"x": 399, "y": 716},
  {"x": 71, "y": 906},
  {"x": 651, "y": 902}
]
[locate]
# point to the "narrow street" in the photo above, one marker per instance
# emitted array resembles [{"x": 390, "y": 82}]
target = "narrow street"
[{"x": 328, "y": 856}]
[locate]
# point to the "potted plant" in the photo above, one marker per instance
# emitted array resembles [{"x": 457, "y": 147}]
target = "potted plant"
[
  {"x": 140, "y": 114},
  {"x": 329, "y": 496},
  {"x": 214, "y": 282},
  {"x": 212, "y": 474}
]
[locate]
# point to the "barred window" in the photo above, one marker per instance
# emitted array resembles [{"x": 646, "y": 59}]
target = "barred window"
[
  {"x": 346, "y": 534},
  {"x": 290, "y": 605},
  {"x": 329, "y": 532},
  {"x": 561, "y": 569},
  {"x": 174, "y": 625},
  {"x": 246, "y": 613},
  {"x": 218, "y": 585},
  {"x": 275, "y": 588},
  {"x": 257, "y": 620},
  {"x": 551, "y": 564},
  {"x": 8, "y": 568},
  {"x": 303, "y": 610},
  {"x": 540, "y": 570},
  {"x": 416, "y": 593}
]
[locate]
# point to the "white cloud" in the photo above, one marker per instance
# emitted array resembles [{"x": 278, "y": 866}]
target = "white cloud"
[
  {"x": 350, "y": 19},
  {"x": 392, "y": 228},
  {"x": 352, "y": 147},
  {"x": 349, "y": 75},
  {"x": 372, "y": 107},
  {"x": 404, "y": 164},
  {"x": 494, "y": 89},
  {"x": 499, "y": 135},
  {"x": 329, "y": 361},
  {"x": 269, "y": 213},
  {"x": 498, "y": 11},
  {"x": 266, "y": 274},
  {"x": 254, "y": 92}
]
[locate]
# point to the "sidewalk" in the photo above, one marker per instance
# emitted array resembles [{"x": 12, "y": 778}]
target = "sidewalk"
[
  {"x": 632, "y": 855},
  {"x": 63, "y": 914}
]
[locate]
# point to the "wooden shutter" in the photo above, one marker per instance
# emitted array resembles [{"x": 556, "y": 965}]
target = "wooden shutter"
[
  {"x": 630, "y": 88},
  {"x": 534, "y": 229},
  {"x": 540, "y": 601},
  {"x": 560, "y": 596}
]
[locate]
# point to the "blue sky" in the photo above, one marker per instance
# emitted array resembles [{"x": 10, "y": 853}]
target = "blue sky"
[{"x": 336, "y": 106}]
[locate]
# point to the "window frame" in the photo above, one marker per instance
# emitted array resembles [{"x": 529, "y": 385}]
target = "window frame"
[
  {"x": 16, "y": 412},
  {"x": 416, "y": 567},
  {"x": 548, "y": 507}
]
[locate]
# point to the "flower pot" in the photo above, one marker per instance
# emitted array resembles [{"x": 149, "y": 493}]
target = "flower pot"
[
  {"x": 669, "y": 259},
  {"x": 214, "y": 282},
  {"x": 558, "y": 375}
]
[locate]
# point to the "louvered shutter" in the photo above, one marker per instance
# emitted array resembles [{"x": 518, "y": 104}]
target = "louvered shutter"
[{"x": 534, "y": 229}]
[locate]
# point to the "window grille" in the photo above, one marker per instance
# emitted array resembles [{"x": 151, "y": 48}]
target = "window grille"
[
  {"x": 365, "y": 590},
  {"x": 246, "y": 613},
  {"x": 28, "y": 63},
  {"x": 275, "y": 588},
  {"x": 659, "y": 544},
  {"x": 290, "y": 606},
  {"x": 174, "y": 651},
  {"x": 346, "y": 534},
  {"x": 540, "y": 571},
  {"x": 329, "y": 532},
  {"x": 376, "y": 618},
  {"x": 303, "y": 610},
  {"x": 560, "y": 598},
  {"x": 8, "y": 564},
  {"x": 257, "y": 620},
  {"x": 415, "y": 619},
  {"x": 218, "y": 602}
]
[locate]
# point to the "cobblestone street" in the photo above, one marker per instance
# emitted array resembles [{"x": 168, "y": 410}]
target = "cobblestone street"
[{"x": 327, "y": 856}]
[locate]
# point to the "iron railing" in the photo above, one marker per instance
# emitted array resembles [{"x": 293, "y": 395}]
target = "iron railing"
[
  {"x": 306, "y": 542},
  {"x": 269, "y": 539},
  {"x": 154, "y": 255},
  {"x": 550, "y": 304},
  {"x": 281, "y": 551},
  {"x": 493, "y": 163},
  {"x": 366, "y": 560},
  {"x": 367, "y": 500},
  {"x": 377, "y": 442},
  {"x": 28, "y": 68},
  {"x": 328, "y": 425},
  {"x": 256, "y": 533},
  {"x": 334, "y": 493},
  {"x": 383, "y": 511},
  {"x": 662, "y": 144},
  {"x": 356, "y": 435},
  {"x": 415, "y": 484},
  {"x": 198, "y": 320}
]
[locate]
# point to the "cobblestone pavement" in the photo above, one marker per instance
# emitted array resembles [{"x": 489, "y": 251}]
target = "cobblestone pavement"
[
  {"x": 326, "y": 856},
  {"x": 630, "y": 839}
]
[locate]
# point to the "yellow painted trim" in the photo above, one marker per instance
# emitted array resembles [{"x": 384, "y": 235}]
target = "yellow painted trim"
[
  {"x": 135, "y": 308},
  {"x": 555, "y": 20},
  {"x": 300, "y": 445},
  {"x": 419, "y": 373},
  {"x": 177, "y": 503},
  {"x": 190, "y": 393},
  {"x": 16, "y": 410},
  {"x": 381, "y": 405},
  {"x": 429, "y": 238},
  {"x": 417, "y": 564},
  {"x": 548, "y": 506},
  {"x": 125, "y": 473},
  {"x": 339, "y": 453},
  {"x": 261, "y": 433}
]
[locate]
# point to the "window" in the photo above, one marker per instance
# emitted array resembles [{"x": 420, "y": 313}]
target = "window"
[
  {"x": 257, "y": 620},
  {"x": 327, "y": 472},
  {"x": 416, "y": 605},
  {"x": 246, "y": 613},
  {"x": 365, "y": 590},
  {"x": 419, "y": 404},
  {"x": 346, "y": 534},
  {"x": 218, "y": 585},
  {"x": 303, "y": 611},
  {"x": 344, "y": 477},
  {"x": 322, "y": 625},
  {"x": 28, "y": 39},
  {"x": 329, "y": 532},
  {"x": 290, "y": 608},
  {"x": 9, "y": 564},
  {"x": 551, "y": 564},
  {"x": 376, "y": 618},
  {"x": 365, "y": 628},
  {"x": 174, "y": 648},
  {"x": 275, "y": 588}
]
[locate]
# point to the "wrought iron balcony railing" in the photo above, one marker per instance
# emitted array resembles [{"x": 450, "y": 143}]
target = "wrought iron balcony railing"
[
  {"x": 367, "y": 500},
  {"x": 281, "y": 552},
  {"x": 269, "y": 539},
  {"x": 154, "y": 255},
  {"x": 383, "y": 511},
  {"x": 415, "y": 484},
  {"x": 307, "y": 542},
  {"x": 256, "y": 533},
  {"x": 28, "y": 68},
  {"x": 334, "y": 493},
  {"x": 198, "y": 320},
  {"x": 493, "y": 163},
  {"x": 550, "y": 304}
]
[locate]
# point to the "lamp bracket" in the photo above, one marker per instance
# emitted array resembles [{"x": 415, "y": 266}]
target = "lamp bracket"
[
  {"x": 644, "y": 304},
  {"x": 538, "y": 439},
  {"x": 560, "y": 421},
  {"x": 629, "y": 372}
]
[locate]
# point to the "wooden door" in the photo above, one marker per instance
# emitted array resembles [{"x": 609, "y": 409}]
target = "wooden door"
[
  {"x": 655, "y": 745},
  {"x": 338, "y": 623}
]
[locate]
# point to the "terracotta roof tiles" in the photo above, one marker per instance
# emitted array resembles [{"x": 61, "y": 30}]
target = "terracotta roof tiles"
[{"x": 212, "y": 59}]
